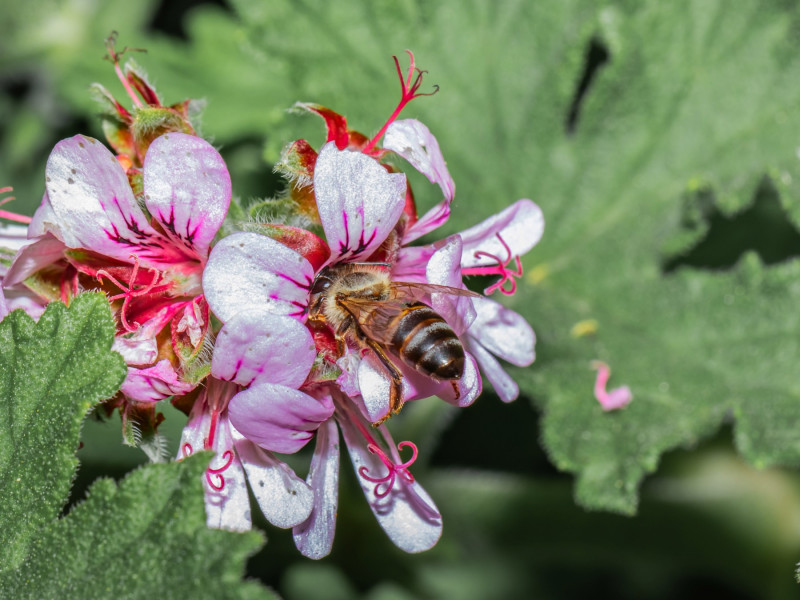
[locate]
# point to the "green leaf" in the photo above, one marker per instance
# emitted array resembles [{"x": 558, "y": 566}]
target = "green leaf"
[
  {"x": 694, "y": 95},
  {"x": 51, "y": 373},
  {"x": 143, "y": 538}
]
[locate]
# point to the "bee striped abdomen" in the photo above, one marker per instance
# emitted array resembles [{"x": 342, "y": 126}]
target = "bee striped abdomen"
[{"x": 425, "y": 342}]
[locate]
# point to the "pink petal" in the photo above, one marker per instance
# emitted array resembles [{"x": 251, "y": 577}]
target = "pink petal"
[
  {"x": 503, "y": 332},
  {"x": 251, "y": 271},
  {"x": 444, "y": 268},
  {"x": 95, "y": 208},
  {"x": 411, "y": 263},
  {"x": 413, "y": 141},
  {"x": 154, "y": 383},
  {"x": 20, "y": 299},
  {"x": 226, "y": 499},
  {"x": 504, "y": 385},
  {"x": 187, "y": 189},
  {"x": 521, "y": 226},
  {"x": 256, "y": 346},
  {"x": 284, "y": 498},
  {"x": 36, "y": 255},
  {"x": 314, "y": 537},
  {"x": 407, "y": 513},
  {"x": 359, "y": 202},
  {"x": 277, "y": 417}
]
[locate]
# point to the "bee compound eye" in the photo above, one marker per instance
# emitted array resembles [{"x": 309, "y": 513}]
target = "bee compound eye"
[{"x": 320, "y": 285}]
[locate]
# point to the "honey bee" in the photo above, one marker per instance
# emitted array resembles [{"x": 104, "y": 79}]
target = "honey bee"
[{"x": 362, "y": 305}]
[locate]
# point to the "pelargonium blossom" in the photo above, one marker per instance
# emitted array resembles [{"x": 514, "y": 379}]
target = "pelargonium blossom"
[
  {"x": 272, "y": 354},
  {"x": 91, "y": 232},
  {"x": 359, "y": 204},
  {"x": 487, "y": 249}
]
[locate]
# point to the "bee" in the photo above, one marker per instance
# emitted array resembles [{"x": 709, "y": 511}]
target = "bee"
[{"x": 362, "y": 305}]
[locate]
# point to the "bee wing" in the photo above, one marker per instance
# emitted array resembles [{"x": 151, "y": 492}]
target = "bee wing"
[
  {"x": 375, "y": 317},
  {"x": 409, "y": 288}
]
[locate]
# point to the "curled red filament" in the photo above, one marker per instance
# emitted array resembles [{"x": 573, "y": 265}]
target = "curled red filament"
[
  {"x": 409, "y": 85},
  {"x": 384, "y": 485},
  {"x": 219, "y": 483},
  {"x": 501, "y": 268},
  {"x": 128, "y": 291}
]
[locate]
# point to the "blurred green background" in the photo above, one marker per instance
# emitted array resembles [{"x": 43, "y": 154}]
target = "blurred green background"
[{"x": 708, "y": 524}]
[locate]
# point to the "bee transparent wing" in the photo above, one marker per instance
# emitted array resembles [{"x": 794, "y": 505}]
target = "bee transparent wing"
[
  {"x": 415, "y": 290},
  {"x": 375, "y": 318}
]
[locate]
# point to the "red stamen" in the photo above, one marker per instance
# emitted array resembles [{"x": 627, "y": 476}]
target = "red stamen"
[
  {"x": 409, "y": 92},
  {"x": 129, "y": 292},
  {"x": 186, "y": 450},
  {"x": 501, "y": 268},
  {"x": 219, "y": 485}
]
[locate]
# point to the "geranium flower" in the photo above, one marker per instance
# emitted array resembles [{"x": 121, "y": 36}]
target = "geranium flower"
[
  {"x": 359, "y": 204},
  {"x": 91, "y": 232},
  {"x": 490, "y": 329},
  {"x": 271, "y": 354}
]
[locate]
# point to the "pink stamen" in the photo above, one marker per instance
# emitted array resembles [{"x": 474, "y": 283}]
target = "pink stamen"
[
  {"x": 10, "y": 216},
  {"x": 609, "y": 400},
  {"x": 385, "y": 484},
  {"x": 129, "y": 292},
  {"x": 409, "y": 92},
  {"x": 501, "y": 268},
  {"x": 113, "y": 56}
]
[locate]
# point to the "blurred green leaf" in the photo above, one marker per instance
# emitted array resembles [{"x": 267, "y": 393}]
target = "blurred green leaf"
[
  {"x": 158, "y": 546},
  {"x": 51, "y": 373},
  {"x": 693, "y": 95}
]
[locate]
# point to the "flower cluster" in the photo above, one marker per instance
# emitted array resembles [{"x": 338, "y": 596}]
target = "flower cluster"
[{"x": 319, "y": 321}]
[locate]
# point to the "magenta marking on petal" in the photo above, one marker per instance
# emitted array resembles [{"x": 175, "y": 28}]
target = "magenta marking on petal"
[
  {"x": 501, "y": 268},
  {"x": 305, "y": 286}
]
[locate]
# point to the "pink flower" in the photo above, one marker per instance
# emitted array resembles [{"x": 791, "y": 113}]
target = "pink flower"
[
  {"x": 359, "y": 204},
  {"x": 150, "y": 264},
  {"x": 490, "y": 329},
  {"x": 284, "y": 498}
]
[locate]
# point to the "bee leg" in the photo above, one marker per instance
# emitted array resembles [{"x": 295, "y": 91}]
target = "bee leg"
[
  {"x": 454, "y": 383},
  {"x": 396, "y": 388}
]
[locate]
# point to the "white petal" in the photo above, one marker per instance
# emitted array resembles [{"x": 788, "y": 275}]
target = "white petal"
[
  {"x": 407, "y": 513},
  {"x": 187, "y": 189},
  {"x": 227, "y": 502},
  {"x": 359, "y": 202},
  {"x": 250, "y": 271},
  {"x": 283, "y": 497},
  {"x": 504, "y": 385},
  {"x": 521, "y": 226},
  {"x": 314, "y": 538},
  {"x": 503, "y": 332}
]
